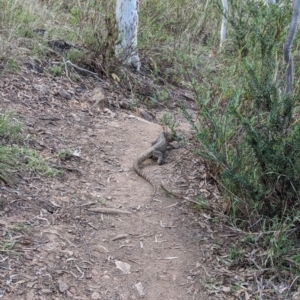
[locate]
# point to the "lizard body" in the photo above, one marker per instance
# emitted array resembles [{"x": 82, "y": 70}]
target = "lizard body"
[{"x": 157, "y": 149}]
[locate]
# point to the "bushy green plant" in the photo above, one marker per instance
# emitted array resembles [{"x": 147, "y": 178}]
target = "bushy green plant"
[
  {"x": 250, "y": 132},
  {"x": 14, "y": 157},
  {"x": 57, "y": 70}
]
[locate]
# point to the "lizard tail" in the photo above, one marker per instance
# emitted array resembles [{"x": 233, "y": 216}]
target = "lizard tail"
[
  {"x": 168, "y": 191},
  {"x": 139, "y": 171}
]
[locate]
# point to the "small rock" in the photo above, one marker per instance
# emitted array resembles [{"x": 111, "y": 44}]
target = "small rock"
[
  {"x": 71, "y": 92},
  {"x": 46, "y": 291},
  {"x": 43, "y": 89},
  {"x": 112, "y": 114},
  {"x": 100, "y": 249},
  {"x": 98, "y": 94},
  {"x": 67, "y": 253},
  {"x": 59, "y": 272},
  {"x": 64, "y": 94},
  {"x": 144, "y": 114},
  {"x": 31, "y": 284},
  {"x": 70, "y": 295},
  {"x": 62, "y": 286},
  {"x": 39, "y": 31},
  {"x": 226, "y": 289},
  {"x": 140, "y": 289},
  {"x": 95, "y": 296},
  {"x": 124, "y": 104},
  {"x": 95, "y": 272},
  {"x": 124, "y": 267},
  {"x": 20, "y": 292},
  {"x": 99, "y": 98}
]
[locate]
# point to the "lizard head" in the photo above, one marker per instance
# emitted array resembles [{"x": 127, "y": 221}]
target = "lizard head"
[{"x": 172, "y": 136}]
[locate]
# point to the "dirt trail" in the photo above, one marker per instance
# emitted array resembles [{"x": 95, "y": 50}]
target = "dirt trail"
[{"x": 71, "y": 252}]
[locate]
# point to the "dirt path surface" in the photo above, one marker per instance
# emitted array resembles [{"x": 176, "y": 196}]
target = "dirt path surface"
[{"x": 69, "y": 250}]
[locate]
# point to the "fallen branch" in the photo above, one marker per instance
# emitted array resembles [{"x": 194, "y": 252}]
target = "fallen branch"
[
  {"x": 59, "y": 167},
  {"x": 109, "y": 210},
  {"x": 85, "y": 70}
]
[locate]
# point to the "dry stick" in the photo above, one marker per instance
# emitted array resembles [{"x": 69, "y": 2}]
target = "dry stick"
[
  {"x": 85, "y": 244},
  {"x": 66, "y": 168},
  {"x": 293, "y": 282},
  {"x": 5, "y": 225},
  {"x": 49, "y": 118},
  {"x": 85, "y": 70},
  {"x": 87, "y": 204},
  {"x": 109, "y": 210},
  {"x": 93, "y": 226},
  {"x": 81, "y": 272},
  {"x": 66, "y": 70},
  {"x": 120, "y": 236}
]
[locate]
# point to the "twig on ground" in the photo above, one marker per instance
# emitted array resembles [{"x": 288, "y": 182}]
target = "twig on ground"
[
  {"x": 120, "y": 236},
  {"x": 84, "y": 70},
  {"x": 87, "y": 204},
  {"x": 109, "y": 210},
  {"x": 66, "y": 168},
  {"x": 85, "y": 244},
  {"x": 66, "y": 69}
]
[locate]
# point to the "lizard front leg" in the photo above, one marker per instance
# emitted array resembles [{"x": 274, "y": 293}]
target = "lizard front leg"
[{"x": 160, "y": 157}]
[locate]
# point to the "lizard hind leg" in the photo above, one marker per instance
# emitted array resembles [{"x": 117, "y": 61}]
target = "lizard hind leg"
[{"x": 160, "y": 157}]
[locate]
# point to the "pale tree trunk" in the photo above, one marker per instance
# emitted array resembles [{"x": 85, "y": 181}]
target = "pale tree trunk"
[
  {"x": 225, "y": 18},
  {"x": 224, "y": 22},
  {"x": 206, "y": 5},
  {"x": 127, "y": 20},
  {"x": 287, "y": 49}
]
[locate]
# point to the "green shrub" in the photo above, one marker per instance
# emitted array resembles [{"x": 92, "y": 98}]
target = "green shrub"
[
  {"x": 249, "y": 131},
  {"x": 14, "y": 157},
  {"x": 249, "y": 134}
]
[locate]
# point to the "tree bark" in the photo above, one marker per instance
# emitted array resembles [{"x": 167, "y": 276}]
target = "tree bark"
[
  {"x": 287, "y": 49},
  {"x": 224, "y": 22},
  {"x": 127, "y": 20}
]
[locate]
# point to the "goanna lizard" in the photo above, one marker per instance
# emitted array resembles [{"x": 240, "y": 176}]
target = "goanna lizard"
[{"x": 157, "y": 149}]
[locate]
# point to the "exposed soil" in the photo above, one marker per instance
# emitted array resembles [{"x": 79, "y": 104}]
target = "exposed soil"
[{"x": 66, "y": 249}]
